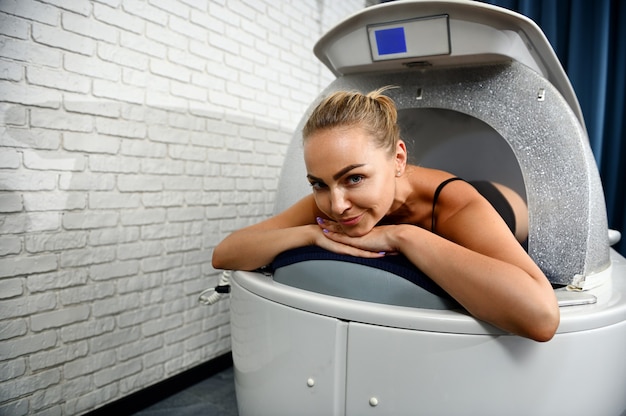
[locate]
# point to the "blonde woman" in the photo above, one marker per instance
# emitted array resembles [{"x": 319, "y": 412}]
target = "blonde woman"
[{"x": 367, "y": 201}]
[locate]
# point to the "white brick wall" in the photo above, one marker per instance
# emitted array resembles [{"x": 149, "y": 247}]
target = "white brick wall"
[{"x": 134, "y": 134}]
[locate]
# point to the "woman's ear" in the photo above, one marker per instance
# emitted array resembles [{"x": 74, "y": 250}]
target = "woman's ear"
[{"x": 401, "y": 157}]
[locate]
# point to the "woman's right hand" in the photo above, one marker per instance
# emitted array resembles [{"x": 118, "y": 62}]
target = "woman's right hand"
[{"x": 321, "y": 239}]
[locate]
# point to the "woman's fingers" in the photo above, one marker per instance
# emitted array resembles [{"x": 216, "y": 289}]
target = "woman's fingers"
[
  {"x": 373, "y": 244},
  {"x": 328, "y": 225},
  {"x": 342, "y": 248}
]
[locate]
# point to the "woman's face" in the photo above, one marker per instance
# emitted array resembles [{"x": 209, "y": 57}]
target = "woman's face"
[{"x": 353, "y": 181}]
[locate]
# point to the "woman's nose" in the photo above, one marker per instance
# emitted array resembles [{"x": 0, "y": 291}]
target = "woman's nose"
[{"x": 338, "y": 201}]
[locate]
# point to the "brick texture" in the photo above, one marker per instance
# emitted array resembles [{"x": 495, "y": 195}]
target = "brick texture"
[{"x": 134, "y": 135}]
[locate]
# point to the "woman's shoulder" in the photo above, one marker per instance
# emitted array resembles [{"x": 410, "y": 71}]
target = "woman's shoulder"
[
  {"x": 427, "y": 180},
  {"x": 443, "y": 193}
]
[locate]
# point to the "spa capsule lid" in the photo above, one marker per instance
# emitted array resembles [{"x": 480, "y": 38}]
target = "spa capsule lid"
[{"x": 420, "y": 33}]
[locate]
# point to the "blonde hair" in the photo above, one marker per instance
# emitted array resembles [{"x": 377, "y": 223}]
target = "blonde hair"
[{"x": 374, "y": 112}]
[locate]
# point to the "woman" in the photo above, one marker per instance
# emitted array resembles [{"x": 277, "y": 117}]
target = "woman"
[{"x": 368, "y": 202}]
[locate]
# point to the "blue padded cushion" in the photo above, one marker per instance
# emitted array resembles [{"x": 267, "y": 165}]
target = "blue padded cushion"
[{"x": 396, "y": 264}]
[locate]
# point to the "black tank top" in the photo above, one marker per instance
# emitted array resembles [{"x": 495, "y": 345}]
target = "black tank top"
[{"x": 489, "y": 192}]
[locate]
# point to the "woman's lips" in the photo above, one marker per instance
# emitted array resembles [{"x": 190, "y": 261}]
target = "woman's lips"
[{"x": 351, "y": 221}]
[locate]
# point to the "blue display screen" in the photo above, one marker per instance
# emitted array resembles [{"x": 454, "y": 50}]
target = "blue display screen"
[{"x": 390, "y": 41}]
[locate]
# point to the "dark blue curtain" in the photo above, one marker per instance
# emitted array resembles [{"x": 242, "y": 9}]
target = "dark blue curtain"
[{"x": 589, "y": 37}]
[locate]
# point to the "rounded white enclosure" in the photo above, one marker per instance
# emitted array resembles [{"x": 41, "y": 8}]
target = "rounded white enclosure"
[
  {"x": 297, "y": 352},
  {"x": 482, "y": 95}
]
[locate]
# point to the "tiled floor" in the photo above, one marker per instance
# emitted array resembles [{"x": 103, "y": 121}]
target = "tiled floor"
[{"x": 214, "y": 396}]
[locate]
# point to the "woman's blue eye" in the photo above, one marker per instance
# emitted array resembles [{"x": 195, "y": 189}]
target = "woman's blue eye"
[{"x": 354, "y": 179}]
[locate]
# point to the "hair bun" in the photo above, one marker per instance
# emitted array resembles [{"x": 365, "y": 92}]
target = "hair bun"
[
  {"x": 387, "y": 104},
  {"x": 375, "y": 112}
]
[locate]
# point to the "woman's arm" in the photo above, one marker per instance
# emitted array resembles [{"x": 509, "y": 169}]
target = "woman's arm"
[
  {"x": 505, "y": 290},
  {"x": 506, "y": 287},
  {"x": 257, "y": 245}
]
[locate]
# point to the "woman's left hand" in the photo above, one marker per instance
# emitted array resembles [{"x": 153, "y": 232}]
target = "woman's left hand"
[{"x": 377, "y": 240}]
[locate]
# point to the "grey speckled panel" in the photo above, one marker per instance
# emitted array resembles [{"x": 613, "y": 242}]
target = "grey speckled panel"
[{"x": 567, "y": 214}]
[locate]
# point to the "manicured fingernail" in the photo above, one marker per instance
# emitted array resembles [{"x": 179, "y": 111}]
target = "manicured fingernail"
[
  {"x": 382, "y": 253},
  {"x": 325, "y": 231},
  {"x": 319, "y": 220}
]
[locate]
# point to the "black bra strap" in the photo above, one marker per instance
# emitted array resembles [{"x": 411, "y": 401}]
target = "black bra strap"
[{"x": 436, "y": 196}]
